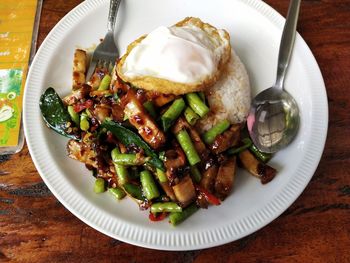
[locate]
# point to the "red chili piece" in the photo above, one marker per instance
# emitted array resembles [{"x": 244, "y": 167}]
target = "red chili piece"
[
  {"x": 158, "y": 216},
  {"x": 82, "y": 106},
  {"x": 212, "y": 199}
]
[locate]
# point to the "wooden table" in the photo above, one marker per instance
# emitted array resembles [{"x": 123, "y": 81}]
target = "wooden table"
[{"x": 35, "y": 227}]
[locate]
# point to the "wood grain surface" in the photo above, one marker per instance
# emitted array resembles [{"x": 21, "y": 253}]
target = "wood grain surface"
[{"x": 35, "y": 227}]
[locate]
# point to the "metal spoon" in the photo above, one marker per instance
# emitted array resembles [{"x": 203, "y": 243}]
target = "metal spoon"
[{"x": 273, "y": 121}]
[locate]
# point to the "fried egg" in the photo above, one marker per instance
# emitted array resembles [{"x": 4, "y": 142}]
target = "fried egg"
[{"x": 183, "y": 58}]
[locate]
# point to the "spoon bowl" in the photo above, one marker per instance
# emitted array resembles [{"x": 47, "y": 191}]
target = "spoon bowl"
[{"x": 273, "y": 121}]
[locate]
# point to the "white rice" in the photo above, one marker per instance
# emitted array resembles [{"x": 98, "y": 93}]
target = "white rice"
[{"x": 230, "y": 97}]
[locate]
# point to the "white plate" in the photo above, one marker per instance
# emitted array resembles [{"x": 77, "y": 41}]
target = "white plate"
[{"x": 255, "y": 30}]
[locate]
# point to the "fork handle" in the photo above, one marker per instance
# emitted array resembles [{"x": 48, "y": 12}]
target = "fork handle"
[{"x": 112, "y": 15}]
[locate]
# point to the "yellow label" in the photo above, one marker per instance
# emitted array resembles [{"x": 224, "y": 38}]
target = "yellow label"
[{"x": 16, "y": 29}]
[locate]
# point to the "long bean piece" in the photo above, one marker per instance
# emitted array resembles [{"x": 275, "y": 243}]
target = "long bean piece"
[
  {"x": 190, "y": 116},
  {"x": 128, "y": 159},
  {"x": 161, "y": 176},
  {"x": 117, "y": 193},
  {"x": 165, "y": 207},
  {"x": 133, "y": 172},
  {"x": 74, "y": 116},
  {"x": 197, "y": 105},
  {"x": 104, "y": 85},
  {"x": 264, "y": 157},
  {"x": 188, "y": 147},
  {"x": 148, "y": 105},
  {"x": 172, "y": 113},
  {"x": 84, "y": 122},
  {"x": 196, "y": 174},
  {"x": 134, "y": 190},
  {"x": 121, "y": 170},
  {"x": 149, "y": 186},
  {"x": 176, "y": 218},
  {"x": 246, "y": 144},
  {"x": 216, "y": 130},
  {"x": 99, "y": 186},
  {"x": 201, "y": 96}
]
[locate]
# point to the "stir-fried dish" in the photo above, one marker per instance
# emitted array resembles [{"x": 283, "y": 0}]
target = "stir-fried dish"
[{"x": 151, "y": 146}]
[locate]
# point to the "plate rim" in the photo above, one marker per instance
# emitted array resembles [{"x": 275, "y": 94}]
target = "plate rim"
[{"x": 251, "y": 223}]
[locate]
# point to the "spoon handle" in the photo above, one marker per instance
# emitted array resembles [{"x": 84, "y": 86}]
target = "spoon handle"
[{"x": 287, "y": 42}]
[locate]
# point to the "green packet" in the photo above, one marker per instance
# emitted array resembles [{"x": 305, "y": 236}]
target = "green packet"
[
  {"x": 18, "y": 34},
  {"x": 10, "y": 105}
]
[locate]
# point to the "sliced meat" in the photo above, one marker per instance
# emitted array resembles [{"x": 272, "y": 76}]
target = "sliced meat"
[
  {"x": 208, "y": 176},
  {"x": 174, "y": 159},
  {"x": 118, "y": 86},
  {"x": 102, "y": 111},
  {"x": 259, "y": 169},
  {"x": 226, "y": 140},
  {"x": 202, "y": 201},
  {"x": 159, "y": 99},
  {"x": 225, "y": 177},
  {"x": 100, "y": 93},
  {"x": 77, "y": 95},
  {"x": 168, "y": 191},
  {"x": 117, "y": 112},
  {"x": 79, "y": 68},
  {"x": 96, "y": 78},
  {"x": 184, "y": 191},
  {"x": 82, "y": 152},
  {"x": 142, "y": 121},
  {"x": 179, "y": 125}
]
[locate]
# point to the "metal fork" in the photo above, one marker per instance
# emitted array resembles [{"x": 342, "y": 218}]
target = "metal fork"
[{"x": 106, "y": 52}]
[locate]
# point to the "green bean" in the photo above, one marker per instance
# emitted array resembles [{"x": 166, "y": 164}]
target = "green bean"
[
  {"x": 176, "y": 218},
  {"x": 128, "y": 159},
  {"x": 216, "y": 130},
  {"x": 246, "y": 144},
  {"x": 74, "y": 116},
  {"x": 188, "y": 147},
  {"x": 262, "y": 156},
  {"x": 99, "y": 186},
  {"x": 134, "y": 190},
  {"x": 149, "y": 186},
  {"x": 134, "y": 172},
  {"x": 88, "y": 113},
  {"x": 172, "y": 113},
  {"x": 116, "y": 97},
  {"x": 84, "y": 122},
  {"x": 117, "y": 193},
  {"x": 191, "y": 116},
  {"x": 197, "y": 104},
  {"x": 161, "y": 176},
  {"x": 201, "y": 96},
  {"x": 196, "y": 174},
  {"x": 126, "y": 117},
  {"x": 121, "y": 170},
  {"x": 165, "y": 207},
  {"x": 148, "y": 105},
  {"x": 104, "y": 85},
  {"x": 162, "y": 155}
]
